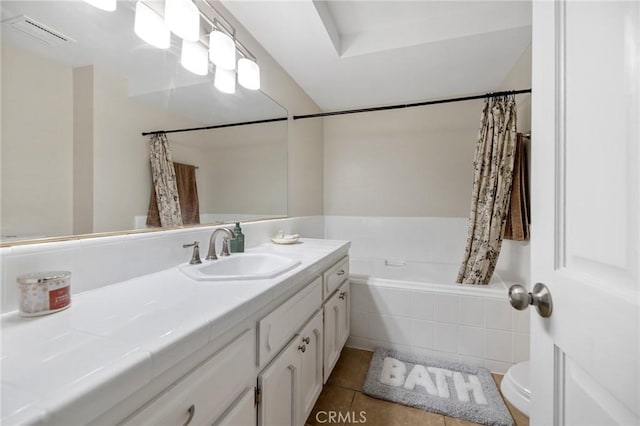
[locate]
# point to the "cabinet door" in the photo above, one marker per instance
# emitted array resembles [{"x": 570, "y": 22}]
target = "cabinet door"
[
  {"x": 336, "y": 327},
  {"x": 243, "y": 413},
  {"x": 344, "y": 324},
  {"x": 279, "y": 387},
  {"x": 207, "y": 391},
  {"x": 311, "y": 363}
]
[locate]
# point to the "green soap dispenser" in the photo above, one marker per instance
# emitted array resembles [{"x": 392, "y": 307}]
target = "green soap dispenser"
[{"x": 237, "y": 244}]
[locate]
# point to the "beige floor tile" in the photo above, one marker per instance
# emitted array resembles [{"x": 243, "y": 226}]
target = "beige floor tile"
[
  {"x": 452, "y": 421},
  {"x": 351, "y": 369},
  {"x": 384, "y": 413},
  {"x": 332, "y": 398}
]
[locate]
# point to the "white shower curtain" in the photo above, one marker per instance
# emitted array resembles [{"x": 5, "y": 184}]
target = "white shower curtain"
[
  {"x": 164, "y": 181},
  {"x": 492, "y": 181}
]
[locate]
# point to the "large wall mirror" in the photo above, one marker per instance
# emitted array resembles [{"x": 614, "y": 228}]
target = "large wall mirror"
[{"x": 78, "y": 90}]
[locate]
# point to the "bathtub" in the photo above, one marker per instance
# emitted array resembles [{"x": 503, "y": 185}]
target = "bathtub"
[
  {"x": 438, "y": 277},
  {"x": 417, "y": 307}
]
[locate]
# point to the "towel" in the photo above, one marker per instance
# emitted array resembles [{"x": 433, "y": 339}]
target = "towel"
[
  {"x": 517, "y": 227},
  {"x": 187, "y": 193}
]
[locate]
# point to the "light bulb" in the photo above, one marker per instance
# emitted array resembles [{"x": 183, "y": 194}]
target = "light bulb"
[
  {"x": 225, "y": 80},
  {"x": 150, "y": 27},
  {"x": 222, "y": 50},
  {"x": 108, "y": 5},
  {"x": 183, "y": 19},
  {"x": 194, "y": 57},
  {"x": 248, "y": 74}
]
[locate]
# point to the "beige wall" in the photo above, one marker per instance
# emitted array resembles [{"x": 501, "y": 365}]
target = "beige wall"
[
  {"x": 122, "y": 177},
  {"x": 406, "y": 162},
  {"x": 247, "y": 170},
  {"x": 409, "y": 162},
  {"x": 74, "y": 146},
  {"x": 305, "y": 169},
  {"x": 37, "y": 181}
]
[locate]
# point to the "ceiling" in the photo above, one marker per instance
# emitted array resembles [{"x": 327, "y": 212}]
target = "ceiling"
[
  {"x": 107, "y": 40},
  {"x": 349, "y": 54}
]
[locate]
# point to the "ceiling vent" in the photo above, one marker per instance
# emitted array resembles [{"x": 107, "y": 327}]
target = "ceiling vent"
[{"x": 35, "y": 29}]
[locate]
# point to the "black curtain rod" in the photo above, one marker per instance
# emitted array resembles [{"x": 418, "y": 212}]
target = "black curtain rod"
[
  {"x": 438, "y": 101},
  {"x": 218, "y": 126}
]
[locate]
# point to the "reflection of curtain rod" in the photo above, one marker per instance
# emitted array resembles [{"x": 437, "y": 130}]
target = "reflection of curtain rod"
[
  {"x": 218, "y": 126},
  {"x": 439, "y": 101}
]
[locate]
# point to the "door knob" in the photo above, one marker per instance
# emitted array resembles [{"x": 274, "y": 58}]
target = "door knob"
[{"x": 540, "y": 297}]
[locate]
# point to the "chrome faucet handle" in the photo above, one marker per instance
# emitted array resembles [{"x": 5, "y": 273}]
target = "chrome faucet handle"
[
  {"x": 195, "y": 258},
  {"x": 225, "y": 246}
]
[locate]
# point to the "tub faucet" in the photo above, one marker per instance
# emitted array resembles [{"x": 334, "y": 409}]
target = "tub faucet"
[{"x": 225, "y": 243}]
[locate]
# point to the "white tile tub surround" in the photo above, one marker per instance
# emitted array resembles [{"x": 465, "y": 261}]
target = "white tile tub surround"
[
  {"x": 97, "y": 262},
  {"x": 421, "y": 239},
  {"x": 470, "y": 324},
  {"x": 466, "y": 323}
]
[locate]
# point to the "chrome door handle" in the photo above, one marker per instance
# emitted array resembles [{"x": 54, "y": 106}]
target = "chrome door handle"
[
  {"x": 540, "y": 297},
  {"x": 340, "y": 272}
]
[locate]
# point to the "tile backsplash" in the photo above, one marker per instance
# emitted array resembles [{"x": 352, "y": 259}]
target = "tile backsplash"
[{"x": 96, "y": 262}]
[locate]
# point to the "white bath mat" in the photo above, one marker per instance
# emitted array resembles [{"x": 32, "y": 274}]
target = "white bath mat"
[{"x": 444, "y": 387}]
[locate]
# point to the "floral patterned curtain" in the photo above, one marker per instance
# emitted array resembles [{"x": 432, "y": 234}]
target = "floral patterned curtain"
[
  {"x": 492, "y": 181},
  {"x": 164, "y": 181}
]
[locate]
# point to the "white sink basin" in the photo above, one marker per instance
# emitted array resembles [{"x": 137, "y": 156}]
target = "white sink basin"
[{"x": 240, "y": 266}]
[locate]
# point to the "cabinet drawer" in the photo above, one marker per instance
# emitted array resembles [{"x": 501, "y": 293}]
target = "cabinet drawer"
[
  {"x": 335, "y": 276},
  {"x": 277, "y": 328},
  {"x": 207, "y": 391}
]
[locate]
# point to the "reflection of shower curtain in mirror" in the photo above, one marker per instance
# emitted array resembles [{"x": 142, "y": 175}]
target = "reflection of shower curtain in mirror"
[
  {"x": 187, "y": 194},
  {"x": 164, "y": 181}
]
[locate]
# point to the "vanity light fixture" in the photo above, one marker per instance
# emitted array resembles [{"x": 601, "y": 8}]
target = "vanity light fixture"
[
  {"x": 150, "y": 27},
  {"x": 222, "y": 50},
  {"x": 225, "y": 80},
  {"x": 194, "y": 57},
  {"x": 248, "y": 74},
  {"x": 183, "y": 19},
  {"x": 108, "y": 5}
]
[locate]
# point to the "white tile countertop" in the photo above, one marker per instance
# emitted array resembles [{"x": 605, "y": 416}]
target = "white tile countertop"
[{"x": 71, "y": 366}]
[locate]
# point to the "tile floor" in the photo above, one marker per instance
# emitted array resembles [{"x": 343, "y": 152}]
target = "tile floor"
[{"x": 343, "y": 393}]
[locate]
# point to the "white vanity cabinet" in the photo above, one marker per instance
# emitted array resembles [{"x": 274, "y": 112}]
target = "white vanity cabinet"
[
  {"x": 311, "y": 365},
  {"x": 273, "y": 373},
  {"x": 291, "y": 384},
  {"x": 336, "y": 326},
  {"x": 204, "y": 395}
]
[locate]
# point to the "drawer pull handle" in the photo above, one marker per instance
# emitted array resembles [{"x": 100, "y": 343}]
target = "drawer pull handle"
[
  {"x": 342, "y": 295},
  {"x": 192, "y": 412},
  {"x": 306, "y": 340},
  {"x": 302, "y": 348},
  {"x": 341, "y": 272}
]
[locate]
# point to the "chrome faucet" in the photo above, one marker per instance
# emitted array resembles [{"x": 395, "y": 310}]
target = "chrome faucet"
[{"x": 225, "y": 243}]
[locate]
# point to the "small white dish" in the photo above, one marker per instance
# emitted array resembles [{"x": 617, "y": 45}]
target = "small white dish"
[{"x": 286, "y": 239}]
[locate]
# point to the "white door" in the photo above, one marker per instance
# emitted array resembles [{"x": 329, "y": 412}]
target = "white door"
[{"x": 585, "y": 214}]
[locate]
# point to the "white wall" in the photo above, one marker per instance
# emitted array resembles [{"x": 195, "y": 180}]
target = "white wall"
[{"x": 37, "y": 160}]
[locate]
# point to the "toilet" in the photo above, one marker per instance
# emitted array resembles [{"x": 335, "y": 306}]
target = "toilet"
[{"x": 515, "y": 386}]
